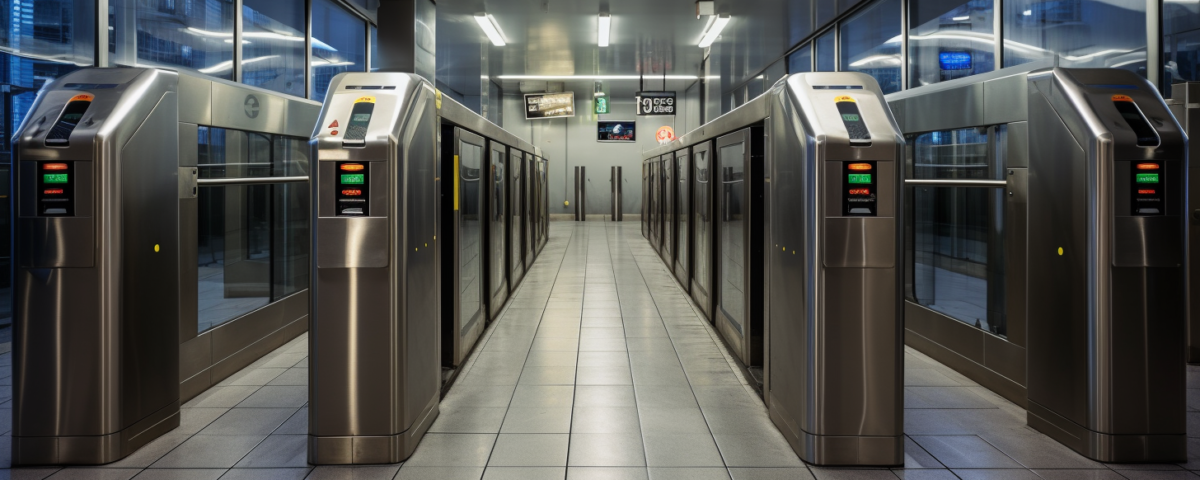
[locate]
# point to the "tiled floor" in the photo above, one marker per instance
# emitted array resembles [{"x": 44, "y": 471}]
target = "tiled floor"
[{"x": 600, "y": 369}]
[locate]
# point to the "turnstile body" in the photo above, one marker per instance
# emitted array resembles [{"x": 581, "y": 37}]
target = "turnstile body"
[
  {"x": 375, "y": 378},
  {"x": 616, "y": 189},
  {"x": 1107, "y": 266},
  {"x": 1185, "y": 105},
  {"x": 96, "y": 343}
]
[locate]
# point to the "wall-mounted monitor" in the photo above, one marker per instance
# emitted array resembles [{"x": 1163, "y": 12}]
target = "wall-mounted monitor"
[
  {"x": 955, "y": 60},
  {"x": 616, "y": 131},
  {"x": 549, "y": 105}
]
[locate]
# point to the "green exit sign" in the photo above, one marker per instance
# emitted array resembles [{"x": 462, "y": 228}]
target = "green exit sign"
[{"x": 601, "y": 105}]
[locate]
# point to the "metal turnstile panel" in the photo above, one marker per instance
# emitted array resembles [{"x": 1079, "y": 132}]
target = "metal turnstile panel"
[
  {"x": 516, "y": 218},
  {"x": 462, "y": 235},
  {"x": 738, "y": 287},
  {"x": 704, "y": 227},
  {"x": 667, "y": 197},
  {"x": 96, "y": 302},
  {"x": 528, "y": 183},
  {"x": 654, "y": 204},
  {"x": 683, "y": 210},
  {"x": 1185, "y": 105},
  {"x": 1107, "y": 266},
  {"x": 497, "y": 227},
  {"x": 376, "y": 376}
]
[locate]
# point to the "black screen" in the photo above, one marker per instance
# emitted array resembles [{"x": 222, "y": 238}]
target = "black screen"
[
  {"x": 352, "y": 181},
  {"x": 55, "y": 189},
  {"x": 60, "y": 133},
  {"x": 852, "y": 119},
  {"x": 1146, "y": 136},
  {"x": 356, "y": 130}
]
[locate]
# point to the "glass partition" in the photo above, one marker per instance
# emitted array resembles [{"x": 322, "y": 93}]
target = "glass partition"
[
  {"x": 948, "y": 40},
  {"x": 192, "y": 34},
  {"x": 800, "y": 61},
  {"x": 273, "y": 45},
  {"x": 1084, "y": 33},
  {"x": 958, "y": 232},
  {"x": 731, "y": 271},
  {"x": 702, "y": 222},
  {"x": 339, "y": 45},
  {"x": 826, "y": 60},
  {"x": 870, "y": 43},
  {"x": 1181, "y": 43},
  {"x": 253, "y": 245},
  {"x": 470, "y": 233}
]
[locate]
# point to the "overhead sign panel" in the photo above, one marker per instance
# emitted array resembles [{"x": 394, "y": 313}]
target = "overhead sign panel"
[
  {"x": 549, "y": 105},
  {"x": 656, "y": 103}
]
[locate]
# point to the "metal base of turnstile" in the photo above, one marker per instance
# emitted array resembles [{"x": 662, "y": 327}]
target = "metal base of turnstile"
[
  {"x": 1104, "y": 447},
  {"x": 94, "y": 449},
  {"x": 372, "y": 449},
  {"x": 841, "y": 450}
]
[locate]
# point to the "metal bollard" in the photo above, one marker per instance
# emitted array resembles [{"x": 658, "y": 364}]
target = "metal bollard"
[
  {"x": 580, "y": 194},
  {"x": 615, "y": 180}
]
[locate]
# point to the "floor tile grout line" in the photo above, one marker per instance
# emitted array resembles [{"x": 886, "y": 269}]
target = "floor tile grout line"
[{"x": 629, "y": 358}]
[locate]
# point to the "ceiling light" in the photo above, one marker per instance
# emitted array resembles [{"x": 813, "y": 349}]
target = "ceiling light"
[
  {"x": 962, "y": 18},
  {"x": 605, "y": 23},
  {"x": 713, "y": 31},
  {"x": 491, "y": 28}
]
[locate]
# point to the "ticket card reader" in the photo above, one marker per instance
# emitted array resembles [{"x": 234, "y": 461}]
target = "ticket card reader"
[
  {"x": 374, "y": 321},
  {"x": 833, "y": 379},
  {"x": 96, "y": 303},
  {"x": 1107, "y": 266}
]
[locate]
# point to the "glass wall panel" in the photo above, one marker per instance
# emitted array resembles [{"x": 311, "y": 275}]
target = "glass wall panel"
[
  {"x": 800, "y": 20},
  {"x": 191, "y": 34},
  {"x": 1085, "y": 33},
  {"x": 40, "y": 40},
  {"x": 800, "y": 61},
  {"x": 1181, "y": 42},
  {"x": 958, "y": 263},
  {"x": 826, "y": 59},
  {"x": 273, "y": 45},
  {"x": 950, "y": 39},
  {"x": 374, "y": 48},
  {"x": 290, "y": 205},
  {"x": 731, "y": 273},
  {"x": 339, "y": 44},
  {"x": 826, "y": 10},
  {"x": 870, "y": 43}
]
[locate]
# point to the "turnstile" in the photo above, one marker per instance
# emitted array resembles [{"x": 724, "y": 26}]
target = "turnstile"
[
  {"x": 375, "y": 378},
  {"x": 738, "y": 313},
  {"x": 1185, "y": 105},
  {"x": 615, "y": 190},
  {"x": 1107, "y": 266},
  {"x": 580, "y": 194},
  {"x": 666, "y": 207},
  {"x": 96, "y": 341}
]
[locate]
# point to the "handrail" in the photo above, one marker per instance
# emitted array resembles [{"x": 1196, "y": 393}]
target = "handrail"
[
  {"x": 954, "y": 182},
  {"x": 212, "y": 182}
]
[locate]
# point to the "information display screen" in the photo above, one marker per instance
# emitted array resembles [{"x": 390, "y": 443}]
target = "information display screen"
[
  {"x": 351, "y": 190},
  {"x": 360, "y": 118},
  {"x": 1148, "y": 195},
  {"x": 858, "y": 178},
  {"x": 858, "y": 192},
  {"x": 353, "y": 178},
  {"x": 55, "y": 178},
  {"x": 60, "y": 133},
  {"x": 55, "y": 189},
  {"x": 1146, "y": 178},
  {"x": 852, "y": 120}
]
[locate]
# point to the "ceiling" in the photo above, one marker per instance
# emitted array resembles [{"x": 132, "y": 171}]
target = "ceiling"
[{"x": 558, "y": 38}]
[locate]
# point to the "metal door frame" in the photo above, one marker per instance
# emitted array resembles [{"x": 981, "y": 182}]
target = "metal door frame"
[
  {"x": 667, "y": 197},
  {"x": 515, "y": 259},
  {"x": 683, "y": 271},
  {"x": 739, "y": 341},
  {"x": 702, "y": 293},
  {"x": 496, "y": 294},
  {"x": 461, "y": 346}
]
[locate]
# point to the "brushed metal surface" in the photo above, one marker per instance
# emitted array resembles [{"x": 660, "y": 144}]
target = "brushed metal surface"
[
  {"x": 704, "y": 228},
  {"x": 667, "y": 197},
  {"x": 497, "y": 227},
  {"x": 96, "y": 350},
  {"x": 1105, "y": 318},
  {"x": 463, "y": 233},
  {"x": 1185, "y": 105},
  {"x": 516, "y": 217},
  {"x": 683, "y": 212}
]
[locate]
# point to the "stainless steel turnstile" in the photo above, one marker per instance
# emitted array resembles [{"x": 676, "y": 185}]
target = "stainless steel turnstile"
[
  {"x": 703, "y": 227},
  {"x": 580, "y": 194},
  {"x": 96, "y": 342},
  {"x": 1185, "y": 105},
  {"x": 615, "y": 190},
  {"x": 1107, "y": 266},
  {"x": 375, "y": 379}
]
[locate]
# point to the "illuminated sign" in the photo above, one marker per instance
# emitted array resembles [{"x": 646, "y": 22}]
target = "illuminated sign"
[
  {"x": 860, "y": 178},
  {"x": 353, "y": 179},
  {"x": 1147, "y": 178},
  {"x": 655, "y": 103},
  {"x": 601, "y": 106},
  {"x": 54, "y": 178}
]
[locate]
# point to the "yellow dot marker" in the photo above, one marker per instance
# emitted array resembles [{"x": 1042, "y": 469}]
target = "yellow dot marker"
[
  {"x": 156, "y": 248},
  {"x": 1060, "y": 251}
]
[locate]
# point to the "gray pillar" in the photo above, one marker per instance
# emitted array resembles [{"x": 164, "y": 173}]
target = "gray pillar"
[{"x": 409, "y": 50}]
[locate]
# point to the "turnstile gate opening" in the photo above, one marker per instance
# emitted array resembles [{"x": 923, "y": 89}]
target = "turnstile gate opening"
[
  {"x": 1107, "y": 274},
  {"x": 96, "y": 350},
  {"x": 375, "y": 380}
]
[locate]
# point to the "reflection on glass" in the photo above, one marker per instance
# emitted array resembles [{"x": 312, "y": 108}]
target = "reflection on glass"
[
  {"x": 654, "y": 187},
  {"x": 470, "y": 230},
  {"x": 1181, "y": 42},
  {"x": 826, "y": 10},
  {"x": 514, "y": 191},
  {"x": 374, "y": 48},
  {"x": 668, "y": 217},
  {"x": 681, "y": 193},
  {"x": 339, "y": 44},
  {"x": 826, "y": 61},
  {"x": 701, "y": 202},
  {"x": 870, "y": 43},
  {"x": 191, "y": 34},
  {"x": 253, "y": 245},
  {"x": 1084, "y": 33},
  {"x": 800, "y": 20},
  {"x": 800, "y": 61},
  {"x": 731, "y": 274},
  {"x": 273, "y": 45},
  {"x": 958, "y": 232},
  {"x": 498, "y": 197},
  {"x": 950, "y": 40}
]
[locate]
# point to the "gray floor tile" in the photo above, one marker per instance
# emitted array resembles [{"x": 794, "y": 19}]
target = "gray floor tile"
[
  {"x": 33, "y": 473},
  {"x": 604, "y": 359},
  {"x": 794, "y": 473},
  {"x": 381, "y": 472},
  {"x": 257, "y": 376},
  {"x": 537, "y": 420},
  {"x": 479, "y": 395},
  {"x": 605, "y": 420},
  {"x": 926, "y": 474},
  {"x": 266, "y": 473},
  {"x": 222, "y": 397},
  {"x": 547, "y": 376},
  {"x": 726, "y": 396},
  {"x": 943, "y": 397},
  {"x": 530, "y": 450},
  {"x": 528, "y": 396},
  {"x": 665, "y": 396},
  {"x": 1097, "y": 474},
  {"x": 681, "y": 450},
  {"x": 852, "y": 474},
  {"x": 209, "y": 451},
  {"x": 1159, "y": 475},
  {"x": 277, "y": 396},
  {"x": 296, "y": 425},
  {"x": 915, "y": 456},
  {"x": 995, "y": 474},
  {"x": 278, "y": 451},
  {"x": 249, "y": 421},
  {"x": 737, "y": 419},
  {"x": 607, "y": 473},
  {"x": 181, "y": 474},
  {"x": 767, "y": 449},
  {"x": 603, "y": 376},
  {"x": 606, "y": 450},
  {"x": 551, "y": 359},
  {"x": 965, "y": 451},
  {"x": 409, "y": 472},
  {"x": 94, "y": 473},
  {"x": 525, "y": 473},
  {"x": 452, "y": 450},
  {"x": 293, "y": 376},
  {"x": 192, "y": 420},
  {"x": 670, "y": 421},
  {"x": 604, "y": 396},
  {"x": 688, "y": 473},
  {"x": 914, "y": 377},
  {"x": 152, "y": 452},
  {"x": 469, "y": 420}
]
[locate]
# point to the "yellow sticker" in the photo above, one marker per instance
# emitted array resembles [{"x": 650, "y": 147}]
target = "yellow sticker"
[
  {"x": 365, "y": 100},
  {"x": 1060, "y": 251},
  {"x": 1122, "y": 98},
  {"x": 844, "y": 98},
  {"x": 156, "y": 248},
  {"x": 456, "y": 175},
  {"x": 437, "y": 100},
  {"x": 83, "y": 97}
]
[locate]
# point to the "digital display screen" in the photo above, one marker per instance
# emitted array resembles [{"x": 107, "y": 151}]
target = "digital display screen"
[
  {"x": 1147, "y": 178},
  {"x": 350, "y": 198},
  {"x": 858, "y": 178},
  {"x": 55, "y": 178},
  {"x": 352, "y": 179},
  {"x": 60, "y": 133},
  {"x": 850, "y": 117},
  {"x": 55, "y": 189},
  {"x": 616, "y": 131},
  {"x": 361, "y": 117},
  {"x": 955, "y": 60}
]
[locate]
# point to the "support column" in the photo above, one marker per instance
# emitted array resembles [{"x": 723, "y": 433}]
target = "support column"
[{"x": 409, "y": 50}]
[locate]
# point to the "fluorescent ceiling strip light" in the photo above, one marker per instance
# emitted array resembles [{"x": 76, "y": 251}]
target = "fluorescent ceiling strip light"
[
  {"x": 714, "y": 31},
  {"x": 597, "y": 77},
  {"x": 962, "y": 18},
  {"x": 490, "y": 28},
  {"x": 605, "y": 24}
]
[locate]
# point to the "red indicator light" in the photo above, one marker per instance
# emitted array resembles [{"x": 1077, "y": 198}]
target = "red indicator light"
[
  {"x": 1145, "y": 192},
  {"x": 352, "y": 192},
  {"x": 352, "y": 167},
  {"x": 860, "y": 191},
  {"x": 52, "y": 191},
  {"x": 859, "y": 167},
  {"x": 1147, "y": 166},
  {"x": 54, "y": 166}
]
